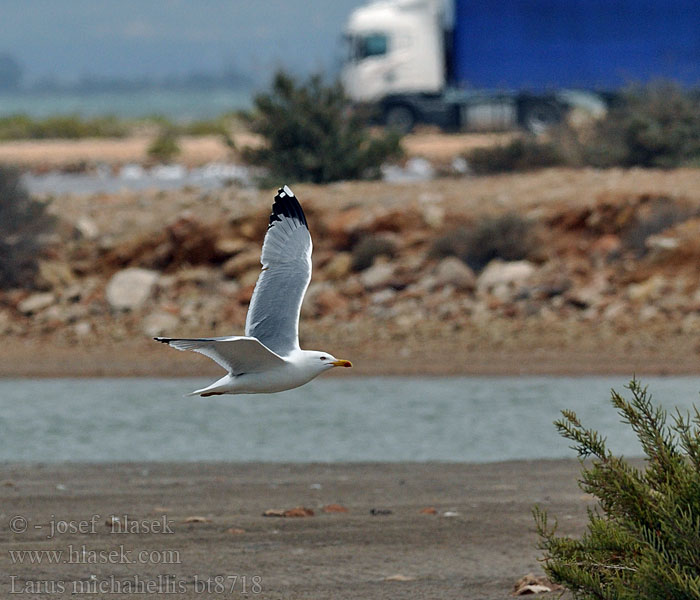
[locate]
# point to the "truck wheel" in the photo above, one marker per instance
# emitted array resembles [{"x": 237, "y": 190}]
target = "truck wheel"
[
  {"x": 399, "y": 118},
  {"x": 537, "y": 117}
]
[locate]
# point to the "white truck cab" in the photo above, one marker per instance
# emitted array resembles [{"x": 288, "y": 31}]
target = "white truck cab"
[{"x": 394, "y": 47}]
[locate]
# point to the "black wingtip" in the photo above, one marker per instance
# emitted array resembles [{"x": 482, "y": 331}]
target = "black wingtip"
[
  {"x": 286, "y": 204},
  {"x": 163, "y": 340}
]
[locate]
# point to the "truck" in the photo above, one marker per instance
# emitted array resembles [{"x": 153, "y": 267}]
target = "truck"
[{"x": 475, "y": 65}]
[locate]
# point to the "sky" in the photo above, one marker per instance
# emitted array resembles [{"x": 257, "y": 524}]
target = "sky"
[{"x": 67, "y": 39}]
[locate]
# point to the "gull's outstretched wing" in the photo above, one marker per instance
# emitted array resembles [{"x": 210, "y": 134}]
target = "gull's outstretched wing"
[
  {"x": 273, "y": 315},
  {"x": 236, "y": 354}
]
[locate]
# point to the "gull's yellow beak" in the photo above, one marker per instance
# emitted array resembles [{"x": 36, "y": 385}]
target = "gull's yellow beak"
[{"x": 341, "y": 363}]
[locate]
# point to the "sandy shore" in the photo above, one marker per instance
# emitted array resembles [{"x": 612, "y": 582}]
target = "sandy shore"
[
  {"x": 448, "y": 357},
  {"x": 477, "y": 553},
  {"x": 200, "y": 150}
]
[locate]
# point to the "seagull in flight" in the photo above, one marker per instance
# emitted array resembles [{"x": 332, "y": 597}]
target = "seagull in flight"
[{"x": 268, "y": 357}]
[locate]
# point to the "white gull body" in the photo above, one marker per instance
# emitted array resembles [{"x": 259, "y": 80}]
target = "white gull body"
[{"x": 268, "y": 358}]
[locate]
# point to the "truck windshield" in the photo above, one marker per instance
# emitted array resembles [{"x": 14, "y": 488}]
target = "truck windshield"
[{"x": 364, "y": 46}]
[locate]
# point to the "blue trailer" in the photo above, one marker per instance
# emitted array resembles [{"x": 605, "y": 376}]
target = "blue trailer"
[{"x": 489, "y": 64}]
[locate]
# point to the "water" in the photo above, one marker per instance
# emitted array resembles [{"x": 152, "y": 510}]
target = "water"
[
  {"x": 175, "y": 104},
  {"x": 472, "y": 419},
  {"x": 134, "y": 177}
]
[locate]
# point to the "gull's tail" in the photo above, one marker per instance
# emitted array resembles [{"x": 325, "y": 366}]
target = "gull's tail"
[{"x": 218, "y": 388}]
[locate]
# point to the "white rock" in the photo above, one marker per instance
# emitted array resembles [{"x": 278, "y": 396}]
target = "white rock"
[
  {"x": 87, "y": 228},
  {"x": 648, "y": 312},
  {"x": 452, "y": 271},
  {"x": 160, "y": 323},
  {"x": 460, "y": 165},
  {"x": 661, "y": 242},
  {"x": 377, "y": 276},
  {"x": 82, "y": 328},
  {"x": 592, "y": 294},
  {"x": 510, "y": 274},
  {"x": 129, "y": 289},
  {"x": 383, "y": 296},
  {"x": 646, "y": 290},
  {"x": 614, "y": 310},
  {"x": 36, "y": 302}
]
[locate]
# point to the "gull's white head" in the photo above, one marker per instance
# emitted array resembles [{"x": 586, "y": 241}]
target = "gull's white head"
[{"x": 321, "y": 361}]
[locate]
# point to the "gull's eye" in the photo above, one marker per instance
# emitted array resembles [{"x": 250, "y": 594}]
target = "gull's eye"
[{"x": 324, "y": 358}]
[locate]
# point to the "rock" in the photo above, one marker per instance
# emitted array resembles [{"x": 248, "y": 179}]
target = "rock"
[
  {"x": 198, "y": 275},
  {"x": 615, "y": 310},
  {"x": 87, "y": 228},
  {"x": 334, "y": 508},
  {"x": 36, "y": 302},
  {"x": 460, "y": 165},
  {"x": 510, "y": 274},
  {"x": 197, "y": 519},
  {"x": 589, "y": 295},
  {"x": 646, "y": 290},
  {"x": 5, "y": 321},
  {"x": 339, "y": 266},
  {"x": 250, "y": 277},
  {"x": 690, "y": 323},
  {"x": 529, "y": 584},
  {"x": 452, "y": 271},
  {"x": 350, "y": 286},
  {"x": 433, "y": 215},
  {"x": 377, "y": 276},
  {"x": 114, "y": 522},
  {"x": 342, "y": 227},
  {"x": 380, "y": 512},
  {"x": 384, "y": 296},
  {"x": 235, "y": 266},
  {"x": 309, "y": 306},
  {"x": 297, "y": 511},
  {"x": 229, "y": 246},
  {"x": 160, "y": 323},
  {"x": 54, "y": 314},
  {"x": 661, "y": 243},
  {"x": 82, "y": 329},
  {"x": 648, "y": 313},
  {"x": 54, "y": 274},
  {"x": 245, "y": 294},
  {"x": 399, "y": 577},
  {"x": 329, "y": 301},
  {"x": 73, "y": 293},
  {"x": 606, "y": 246},
  {"x": 433, "y": 212},
  {"x": 130, "y": 288},
  {"x": 229, "y": 288}
]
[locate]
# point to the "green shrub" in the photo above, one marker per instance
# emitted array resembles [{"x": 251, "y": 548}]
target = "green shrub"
[
  {"x": 508, "y": 236},
  {"x": 311, "y": 134},
  {"x": 24, "y": 223},
  {"x": 521, "y": 154},
  {"x": 657, "y": 125},
  {"x": 643, "y": 542},
  {"x": 62, "y": 126},
  {"x": 164, "y": 147}
]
